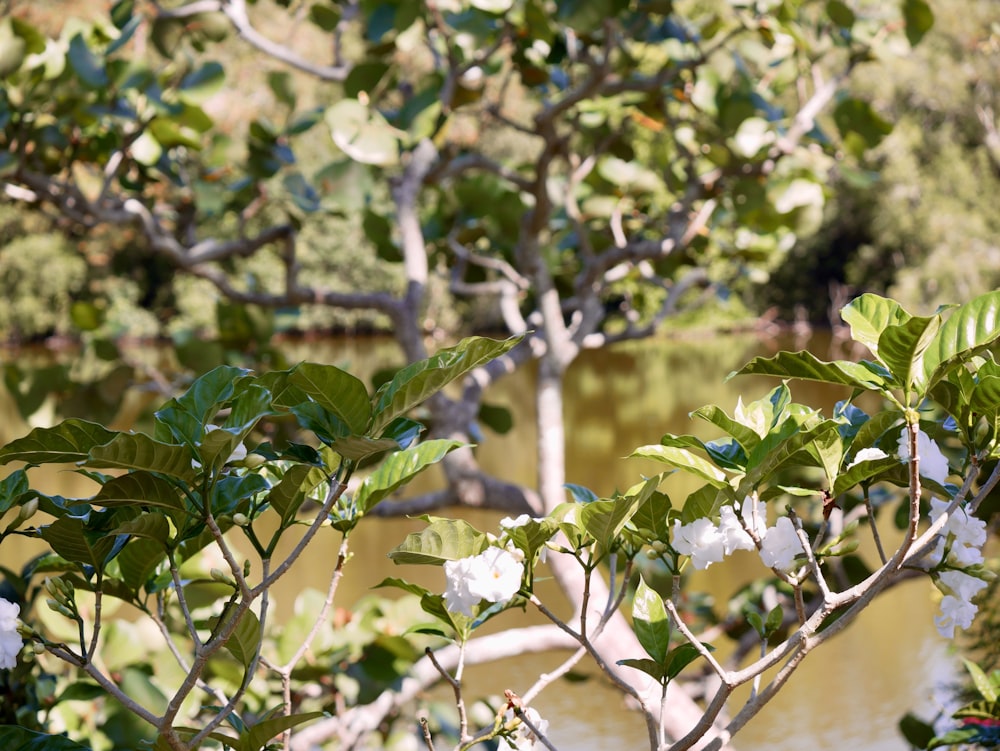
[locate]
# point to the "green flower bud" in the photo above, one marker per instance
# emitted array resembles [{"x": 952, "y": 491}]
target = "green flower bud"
[
  {"x": 240, "y": 520},
  {"x": 28, "y": 510}
]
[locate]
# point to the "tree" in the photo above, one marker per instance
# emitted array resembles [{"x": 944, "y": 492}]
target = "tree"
[{"x": 589, "y": 169}]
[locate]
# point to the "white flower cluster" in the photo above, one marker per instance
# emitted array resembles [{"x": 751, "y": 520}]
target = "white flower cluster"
[
  {"x": 959, "y": 546},
  {"x": 707, "y": 543},
  {"x": 493, "y": 575},
  {"x": 10, "y": 641},
  {"x": 524, "y": 739}
]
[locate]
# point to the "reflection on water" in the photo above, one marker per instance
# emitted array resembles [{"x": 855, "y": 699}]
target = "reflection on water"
[{"x": 849, "y": 694}]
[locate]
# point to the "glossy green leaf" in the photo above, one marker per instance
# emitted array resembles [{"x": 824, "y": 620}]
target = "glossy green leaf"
[
  {"x": 840, "y": 13},
  {"x": 416, "y": 382},
  {"x": 968, "y": 330},
  {"x": 151, "y": 526},
  {"x": 140, "y": 452},
  {"x": 245, "y": 639},
  {"x": 869, "y": 315},
  {"x": 651, "y": 622},
  {"x": 442, "y": 540},
  {"x": 917, "y": 733},
  {"x": 901, "y": 348},
  {"x": 701, "y": 504},
  {"x": 399, "y": 468},
  {"x": 15, "y": 738},
  {"x": 651, "y": 517},
  {"x": 680, "y": 657},
  {"x": 69, "y": 441},
  {"x": 685, "y": 460},
  {"x": 201, "y": 84},
  {"x": 139, "y": 560},
  {"x": 12, "y": 487},
  {"x": 808, "y": 367},
  {"x": 229, "y": 493},
  {"x": 647, "y": 666},
  {"x": 985, "y": 398},
  {"x": 141, "y": 489},
  {"x": 337, "y": 391},
  {"x": 291, "y": 491},
  {"x": 863, "y": 472},
  {"x": 605, "y": 519},
  {"x": 746, "y": 437},
  {"x": 69, "y": 538},
  {"x": 258, "y": 735},
  {"x": 771, "y": 454}
]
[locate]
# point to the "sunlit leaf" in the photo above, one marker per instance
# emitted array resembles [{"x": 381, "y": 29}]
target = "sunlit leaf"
[
  {"x": 442, "y": 540},
  {"x": 901, "y": 347},
  {"x": 651, "y": 622},
  {"x": 416, "y": 382},
  {"x": 968, "y": 330},
  {"x": 399, "y": 468},
  {"x": 337, "y": 391},
  {"x": 806, "y": 366},
  {"x": 684, "y": 459}
]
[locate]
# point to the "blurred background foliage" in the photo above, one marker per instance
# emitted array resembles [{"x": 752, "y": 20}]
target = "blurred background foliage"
[{"x": 914, "y": 218}]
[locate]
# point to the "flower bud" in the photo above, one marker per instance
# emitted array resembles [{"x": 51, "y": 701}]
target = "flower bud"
[
  {"x": 252, "y": 461},
  {"x": 240, "y": 520},
  {"x": 28, "y": 510},
  {"x": 220, "y": 576}
]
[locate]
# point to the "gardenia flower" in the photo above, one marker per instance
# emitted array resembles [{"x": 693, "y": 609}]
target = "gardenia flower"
[
  {"x": 964, "y": 535},
  {"x": 933, "y": 464},
  {"x": 780, "y": 545},
  {"x": 701, "y": 540},
  {"x": 524, "y": 739},
  {"x": 954, "y": 612},
  {"x": 10, "y": 641},
  {"x": 493, "y": 575},
  {"x": 734, "y": 534}
]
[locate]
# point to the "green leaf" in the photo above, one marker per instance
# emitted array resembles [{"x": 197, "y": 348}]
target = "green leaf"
[
  {"x": 139, "y": 451},
  {"x": 649, "y": 667},
  {"x": 12, "y": 487},
  {"x": 651, "y": 622},
  {"x": 869, "y": 315},
  {"x": 684, "y": 459},
  {"x": 291, "y": 491},
  {"x": 651, "y": 516},
  {"x": 680, "y": 657},
  {"x": 13, "y": 738},
  {"x": 968, "y": 330},
  {"x": 324, "y": 16},
  {"x": 862, "y": 472},
  {"x": 337, "y": 391},
  {"x": 963, "y": 736},
  {"x": 982, "y": 682},
  {"x": 141, "y": 489},
  {"x": 806, "y": 366},
  {"x": 442, "y": 540},
  {"x": 605, "y": 519},
  {"x": 362, "y": 134},
  {"x": 901, "y": 348},
  {"x": 69, "y": 441},
  {"x": 139, "y": 560},
  {"x": 746, "y": 437},
  {"x": 86, "y": 65},
  {"x": 69, "y": 537},
  {"x": 700, "y": 504},
  {"x": 919, "y": 20},
  {"x": 416, "y": 382},
  {"x": 245, "y": 639},
  {"x": 151, "y": 526},
  {"x": 778, "y": 449},
  {"x": 257, "y": 736},
  {"x": 399, "y": 468}
]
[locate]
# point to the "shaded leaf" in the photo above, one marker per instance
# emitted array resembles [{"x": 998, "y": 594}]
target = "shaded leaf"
[
  {"x": 901, "y": 347},
  {"x": 257, "y": 736},
  {"x": 69, "y": 537},
  {"x": 647, "y": 666},
  {"x": 69, "y": 441},
  {"x": 288, "y": 495},
  {"x": 13, "y": 738},
  {"x": 140, "y": 452}
]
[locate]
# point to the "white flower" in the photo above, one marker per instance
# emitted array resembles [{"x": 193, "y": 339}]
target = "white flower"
[
  {"x": 933, "y": 464},
  {"x": 869, "y": 455},
  {"x": 508, "y": 523},
  {"x": 964, "y": 536},
  {"x": 734, "y": 534},
  {"x": 701, "y": 540},
  {"x": 954, "y": 612},
  {"x": 960, "y": 584},
  {"x": 239, "y": 453},
  {"x": 524, "y": 739},
  {"x": 780, "y": 545},
  {"x": 493, "y": 575},
  {"x": 10, "y": 640}
]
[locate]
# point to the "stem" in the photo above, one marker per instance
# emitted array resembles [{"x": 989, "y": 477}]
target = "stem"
[{"x": 874, "y": 526}]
